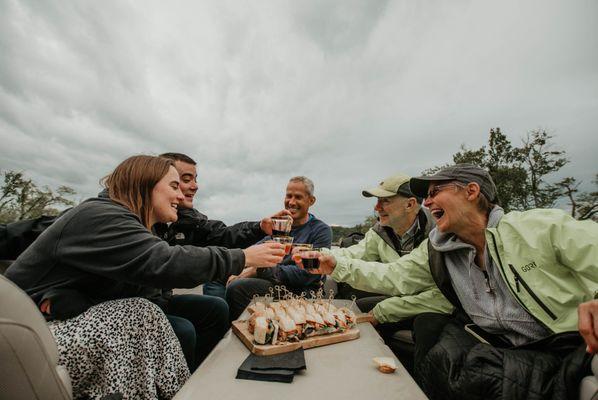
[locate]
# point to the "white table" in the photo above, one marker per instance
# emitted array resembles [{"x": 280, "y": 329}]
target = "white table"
[{"x": 338, "y": 371}]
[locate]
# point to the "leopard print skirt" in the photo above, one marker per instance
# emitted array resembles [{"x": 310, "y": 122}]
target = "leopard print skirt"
[{"x": 124, "y": 346}]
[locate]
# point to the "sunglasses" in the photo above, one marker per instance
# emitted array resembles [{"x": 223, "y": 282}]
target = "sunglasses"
[{"x": 437, "y": 189}]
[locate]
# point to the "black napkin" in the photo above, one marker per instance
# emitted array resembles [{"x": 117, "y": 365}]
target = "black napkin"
[
  {"x": 292, "y": 361},
  {"x": 273, "y": 375},
  {"x": 276, "y": 368}
]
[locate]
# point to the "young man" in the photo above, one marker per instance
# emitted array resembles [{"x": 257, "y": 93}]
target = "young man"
[
  {"x": 201, "y": 321},
  {"x": 194, "y": 228},
  {"x": 306, "y": 228}
]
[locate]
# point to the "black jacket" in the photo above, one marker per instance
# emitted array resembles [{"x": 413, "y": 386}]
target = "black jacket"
[
  {"x": 458, "y": 366},
  {"x": 15, "y": 237},
  {"x": 100, "y": 251},
  {"x": 194, "y": 228}
]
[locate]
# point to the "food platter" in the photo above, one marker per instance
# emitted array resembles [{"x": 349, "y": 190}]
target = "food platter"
[{"x": 241, "y": 328}]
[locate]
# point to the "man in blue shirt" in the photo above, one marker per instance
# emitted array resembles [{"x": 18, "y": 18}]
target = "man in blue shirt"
[{"x": 306, "y": 229}]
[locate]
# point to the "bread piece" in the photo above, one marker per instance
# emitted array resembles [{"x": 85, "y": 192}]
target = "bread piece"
[{"x": 385, "y": 365}]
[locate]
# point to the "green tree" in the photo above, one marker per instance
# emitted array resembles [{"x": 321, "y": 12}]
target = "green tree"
[
  {"x": 339, "y": 232},
  {"x": 541, "y": 160},
  {"x": 505, "y": 166},
  {"x": 584, "y": 205},
  {"x": 521, "y": 173},
  {"x": 21, "y": 198}
]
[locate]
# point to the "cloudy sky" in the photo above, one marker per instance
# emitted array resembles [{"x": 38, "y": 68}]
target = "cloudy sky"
[{"x": 345, "y": 92}]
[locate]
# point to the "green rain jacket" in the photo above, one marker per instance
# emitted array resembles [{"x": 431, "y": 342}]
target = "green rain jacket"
[
  {"x": 547, "y": 259},
  {"x": 374, "y": 248}
]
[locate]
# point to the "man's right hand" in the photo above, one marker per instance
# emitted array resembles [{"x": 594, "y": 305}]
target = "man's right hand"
[
  {"x": 327, "y": 263},
  {"x": 264, "y": 255}
]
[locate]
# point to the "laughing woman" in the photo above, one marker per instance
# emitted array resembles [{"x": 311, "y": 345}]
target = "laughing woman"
[{"x": 90, "y": 270}]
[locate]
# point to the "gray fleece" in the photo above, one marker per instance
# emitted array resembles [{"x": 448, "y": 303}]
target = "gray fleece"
[{"x": 493, "y": 307}]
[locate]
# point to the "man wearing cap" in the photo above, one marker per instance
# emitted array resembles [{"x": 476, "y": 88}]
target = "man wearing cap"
[
  {"x": 524, "y": 279},
  {"x": 403, "y": 224}
]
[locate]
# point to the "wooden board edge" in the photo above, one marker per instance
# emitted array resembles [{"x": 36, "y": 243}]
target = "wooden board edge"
[
  {"x": 333, "y": 338},
  {"x": 360, "y": 318},
  {"x": 237, "y": 330},
  {"x": 240, "y": 329}
]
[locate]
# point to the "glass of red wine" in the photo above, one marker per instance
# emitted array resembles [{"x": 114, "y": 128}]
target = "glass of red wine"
[
  {"x": 309, "y": 257},
  {"x": 287, "y": 241}
]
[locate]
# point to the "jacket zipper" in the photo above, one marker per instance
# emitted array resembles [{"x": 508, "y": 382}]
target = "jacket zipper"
[
  {"x": 516, "y": 284},
  {"x": 518, "y": 279},
  {"x": 487, "y": 280}
]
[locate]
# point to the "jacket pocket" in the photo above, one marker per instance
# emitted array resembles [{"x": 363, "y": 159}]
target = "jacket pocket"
[{"x": 518, "y": 280}]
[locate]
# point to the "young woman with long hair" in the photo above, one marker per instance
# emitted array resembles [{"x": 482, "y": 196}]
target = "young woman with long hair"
[{"x": 91, "y": 271}]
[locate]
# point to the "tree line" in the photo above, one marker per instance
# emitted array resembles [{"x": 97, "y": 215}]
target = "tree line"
[
  {"x": 522, "y": 177},
  {"x": 521, "y": 173},
  {"x": 21, "y": 198}
]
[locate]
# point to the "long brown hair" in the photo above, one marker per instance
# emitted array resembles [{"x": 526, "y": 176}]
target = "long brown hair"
[{"x": 132, "y": 182}]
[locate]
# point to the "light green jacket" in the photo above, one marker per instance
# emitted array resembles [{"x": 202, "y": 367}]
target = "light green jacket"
[
  {"x": 547, "y": 259},
  {"x": 374, "y": 248}
]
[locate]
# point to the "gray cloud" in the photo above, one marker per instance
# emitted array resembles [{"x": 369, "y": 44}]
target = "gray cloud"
[{"x": 345, "y": 92}]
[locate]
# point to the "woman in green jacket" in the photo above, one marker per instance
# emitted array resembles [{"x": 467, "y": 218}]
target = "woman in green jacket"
[{"x": 523, "y": 276}]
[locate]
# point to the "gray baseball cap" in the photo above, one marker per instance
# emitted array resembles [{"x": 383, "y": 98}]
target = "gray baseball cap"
[{"x": 462, "y": 173}]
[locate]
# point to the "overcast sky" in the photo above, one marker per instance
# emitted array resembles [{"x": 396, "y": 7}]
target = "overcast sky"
[{"x": 345, "y": 92}]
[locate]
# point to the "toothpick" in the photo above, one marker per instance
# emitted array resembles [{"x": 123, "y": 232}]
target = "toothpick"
[
  {"x": 330, "y": 297},
  {"x": 271, "y": 290},
  {"x": 353, "y": 298},
  {"x": 277, "y": 288}
]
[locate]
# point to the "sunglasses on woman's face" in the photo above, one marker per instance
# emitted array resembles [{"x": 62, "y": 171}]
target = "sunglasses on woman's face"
[{"x": 437, "y": 189}]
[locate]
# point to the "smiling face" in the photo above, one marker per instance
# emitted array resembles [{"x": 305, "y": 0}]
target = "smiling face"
[
  {"x": 166, "y": 197},
  {"x": 188, "y": 175},
  {"x": 450, "y": 204},
  {"x": 391, "y": 210},
  {"x": 297, "y": 200}
]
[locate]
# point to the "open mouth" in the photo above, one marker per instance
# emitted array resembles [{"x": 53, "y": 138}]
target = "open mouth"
[
  {"x": 174, "y": 205},
  {"x": 437, "y": 213}
]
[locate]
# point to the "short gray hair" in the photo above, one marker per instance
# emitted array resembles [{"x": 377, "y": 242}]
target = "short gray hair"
[{"x": 309, "y": 184}]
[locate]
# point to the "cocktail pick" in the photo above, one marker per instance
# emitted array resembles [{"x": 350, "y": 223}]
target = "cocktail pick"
[
  {"x": 277, "y": 288},
  {"x": 286, "y": 292},
  {"x": 330, "y": 297},
  {"x": 313, "y": 296},
  {"x": 271, "y": 290},
  {"x": 254, "y": 299},
  {"x": 353, "y": 298}
]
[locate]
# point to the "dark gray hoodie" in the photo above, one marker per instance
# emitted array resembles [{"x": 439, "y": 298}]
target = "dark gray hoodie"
[{"x": 100, "y": 251}]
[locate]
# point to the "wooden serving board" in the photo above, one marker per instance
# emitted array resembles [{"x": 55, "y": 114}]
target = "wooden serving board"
[{"x": 240, "y": 329}]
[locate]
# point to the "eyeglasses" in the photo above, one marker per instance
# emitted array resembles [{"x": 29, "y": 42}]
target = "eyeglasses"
[{"x": 437, "y": 189}]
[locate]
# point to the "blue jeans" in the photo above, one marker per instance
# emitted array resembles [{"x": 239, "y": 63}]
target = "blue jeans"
[
  {"x": 216, "y": 289},
  {"x": 199, "y": 323}
]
